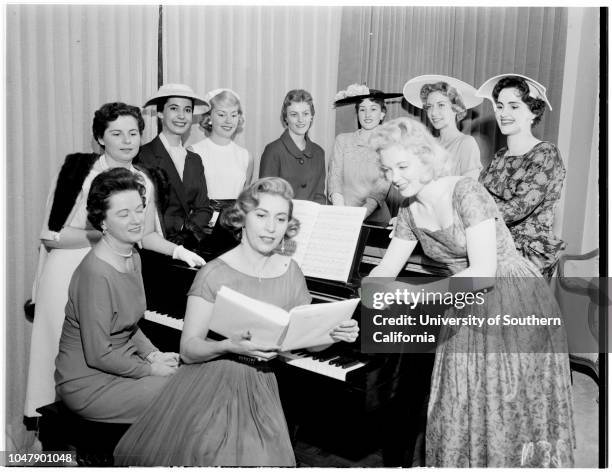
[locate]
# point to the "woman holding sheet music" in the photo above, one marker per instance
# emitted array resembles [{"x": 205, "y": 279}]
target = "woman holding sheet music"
[{"x": 223, "y": 407}]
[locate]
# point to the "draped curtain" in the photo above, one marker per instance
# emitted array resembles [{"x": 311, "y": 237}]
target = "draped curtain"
[
  {"x": 62, "y": 63},
  {"x": 384, "y": 47},
  {"x": 260, "y": 52}
]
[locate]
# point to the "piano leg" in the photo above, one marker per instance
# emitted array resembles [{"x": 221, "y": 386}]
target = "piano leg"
[{"x": 405, "y": 415}]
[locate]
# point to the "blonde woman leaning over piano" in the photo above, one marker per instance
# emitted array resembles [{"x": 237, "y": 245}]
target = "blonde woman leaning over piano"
[
  {"x": 501, "y": 400},
  {"x": 67, "y": 237},
  {"x": 220, "y": 409},
  {"x": 107, "y": 370}
]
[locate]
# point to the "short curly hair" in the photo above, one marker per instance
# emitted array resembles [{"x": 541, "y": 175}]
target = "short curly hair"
[
  {"x": 535, "y": 105},
  {"x": 104, "y": 186},
  {"x": 296, "y": 96},
  {"x": 448, "y": 91},
  {"x": 227, "y": 99},
  {"x": 109, "y": 112},
  {"x": 233, "y": 217},
  {"x": 413, "y": 136}
]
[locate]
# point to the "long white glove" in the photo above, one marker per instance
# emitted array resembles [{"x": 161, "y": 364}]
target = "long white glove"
[{"x": 187, "y": 256}]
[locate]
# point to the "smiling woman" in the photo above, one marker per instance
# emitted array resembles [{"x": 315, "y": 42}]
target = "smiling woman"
[
  {"x": 446, "y": 101},
  {"x": 354, "y": 175},
  {"x": 107, "y": 369},
  {"x": 525, "y": 177},
  {"x": 493, "y": 391},
  {"x": 67, "y": 236},
  {"x": 228, "y": 167},
  {"x": 223, "y": 407},
  {"x": 293, "y": 156}
]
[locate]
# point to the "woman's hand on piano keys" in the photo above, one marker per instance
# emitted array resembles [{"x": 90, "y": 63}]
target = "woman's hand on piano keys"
[{"x": 346, "y": 331}]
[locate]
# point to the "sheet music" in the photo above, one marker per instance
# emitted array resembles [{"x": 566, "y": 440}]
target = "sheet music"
[
  {"x": 310, "y": 324},
  {"x": 327, "y": 239},
  {"x": 304, "y": 326}
]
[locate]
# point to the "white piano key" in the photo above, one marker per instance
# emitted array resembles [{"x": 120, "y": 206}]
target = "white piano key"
[{"x": 323, "y": 368}]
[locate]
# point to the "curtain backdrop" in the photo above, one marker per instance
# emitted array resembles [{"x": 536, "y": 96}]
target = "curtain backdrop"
[
  {"x": 384, "y": 47},
  {"x": 261, "y": 52},
  {"x": 63, "y": 62}
]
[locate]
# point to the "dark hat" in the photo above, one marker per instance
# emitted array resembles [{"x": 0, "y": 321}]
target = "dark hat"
[{"x": 355, "y": 93}]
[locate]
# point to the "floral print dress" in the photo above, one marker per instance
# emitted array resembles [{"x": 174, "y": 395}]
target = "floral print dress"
[
  {"x": 526, "y": 189},
  {"x": 500, "y": 396}
]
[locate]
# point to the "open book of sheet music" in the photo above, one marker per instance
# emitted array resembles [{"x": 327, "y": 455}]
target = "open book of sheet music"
[
  {"x": 327, "y": 239},
  {"x": 304, "y": 326}
]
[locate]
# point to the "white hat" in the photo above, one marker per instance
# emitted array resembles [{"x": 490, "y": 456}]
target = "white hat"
[
  {"x": 200, "y": 105},
  {"x": 536, "y": 89},
  {"x": 412, "y": 89}
]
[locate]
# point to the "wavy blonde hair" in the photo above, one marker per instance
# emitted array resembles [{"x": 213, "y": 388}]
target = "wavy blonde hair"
[
  {"x": 413, "y": 136},
  {"x": 233, "y": 217}
]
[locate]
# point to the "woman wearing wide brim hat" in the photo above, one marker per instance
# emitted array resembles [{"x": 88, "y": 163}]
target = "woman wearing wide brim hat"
[
  {"x": 446, "y": 101},
  {"x": 354, "y": 174},
  {"x": 525, "y": 177},
  {"x": 200, "y": 105}
]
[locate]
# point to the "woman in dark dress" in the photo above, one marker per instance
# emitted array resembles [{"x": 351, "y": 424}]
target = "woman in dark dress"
[
  {"x": 107, "y": 370},
  {"x": 526, "y": 176},
  {"x": 223, "y": 407},
  {"x": 293, "y": 156}
]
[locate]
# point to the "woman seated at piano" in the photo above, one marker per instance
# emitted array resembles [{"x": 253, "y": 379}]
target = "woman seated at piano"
[
  {"x": 498, "y": 398},
  {"x": 107, "y": 370},
  {"x": 354, "y": 176},
  {"x": 293, "y": 156},
  {"x": 67, "y": 237},
  {"x": 222, "y": 408}
]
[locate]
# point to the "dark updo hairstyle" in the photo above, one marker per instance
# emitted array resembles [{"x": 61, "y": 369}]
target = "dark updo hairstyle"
[
  {"x": 379, "y": 101},
  {"x": 535, "y": 105},
  {"x": 104, "y": 186},
  {"x": 109, "y": 112},
  {"x": 449, "y": 92},
  {"x": 296, "y": 96},
  {"x": 233, "y": 218}
]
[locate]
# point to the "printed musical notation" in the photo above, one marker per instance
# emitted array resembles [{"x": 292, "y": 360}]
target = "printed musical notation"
[{"x": 327, "y": 239}]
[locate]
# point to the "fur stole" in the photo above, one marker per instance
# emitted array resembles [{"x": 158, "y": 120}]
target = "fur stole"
[{"x": 70, "y": 180}]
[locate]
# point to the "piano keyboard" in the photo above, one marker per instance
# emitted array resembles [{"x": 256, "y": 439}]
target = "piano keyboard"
[
  {"x": 323, "y": 362},
  {"x": 162, "y": 319},
  {"x": 320, "y": 363}
]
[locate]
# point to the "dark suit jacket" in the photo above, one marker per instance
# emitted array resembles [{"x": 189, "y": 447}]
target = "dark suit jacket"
[{"x": 184, "y": 200}]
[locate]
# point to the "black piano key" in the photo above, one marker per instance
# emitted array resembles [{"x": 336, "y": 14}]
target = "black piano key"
[
  {"x": 341, "y": 360},
  {"x": 350, "y": 364},
  {"x": 325, "y": 356}
]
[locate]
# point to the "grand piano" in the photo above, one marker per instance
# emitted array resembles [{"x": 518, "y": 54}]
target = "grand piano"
[{"x": 339, "y": 399}]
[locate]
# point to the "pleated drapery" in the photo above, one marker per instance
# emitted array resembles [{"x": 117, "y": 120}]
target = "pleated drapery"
[
  {"x": 62, "y": 62},
  {"x": 384, "y": 47},
  {"x": 260, "y": 52}
]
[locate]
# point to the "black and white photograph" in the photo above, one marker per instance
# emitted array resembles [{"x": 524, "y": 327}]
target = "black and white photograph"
[{"x": 305, "y": 236}]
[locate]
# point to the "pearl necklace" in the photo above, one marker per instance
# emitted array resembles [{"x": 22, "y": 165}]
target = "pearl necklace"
[{"x": 117, "y": 252}]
